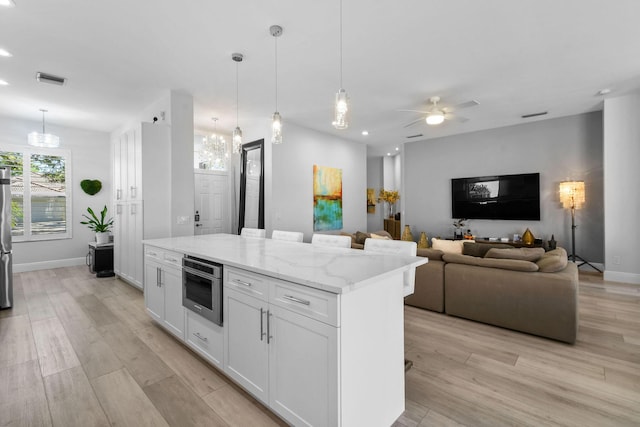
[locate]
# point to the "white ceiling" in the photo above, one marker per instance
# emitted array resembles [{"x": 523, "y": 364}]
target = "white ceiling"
[{"x": 514, "y": 57}]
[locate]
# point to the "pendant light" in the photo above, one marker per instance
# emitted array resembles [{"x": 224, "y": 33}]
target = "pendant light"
[
  {"x": 341, "y": 109},
  {"x": 237, "y": 133},
  {"x": 47, "y": 140},
  {"x": 276, "y": 123}
]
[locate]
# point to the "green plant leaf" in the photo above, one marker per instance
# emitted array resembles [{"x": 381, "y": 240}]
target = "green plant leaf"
[{"x": 91, "y": 187}]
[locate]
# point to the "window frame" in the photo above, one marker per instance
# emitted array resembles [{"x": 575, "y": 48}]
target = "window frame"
[{"x": 27, "y": 152}]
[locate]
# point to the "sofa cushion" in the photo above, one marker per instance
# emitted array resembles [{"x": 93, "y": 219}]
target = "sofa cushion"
[
  {"x": 432, "y": 254},
  {"x": 380, "y": 237},
  {"x": 447, "y": 246},
  {"x": 552, "y": 261},
  {"x": 525, "y": 254},
  {"x": 361, "y": 237},
  {"x": 481, "y": 249},
  {"x": 505, "y": 264}
]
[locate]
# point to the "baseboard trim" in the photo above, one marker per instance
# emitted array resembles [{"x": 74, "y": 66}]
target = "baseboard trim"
[
  {"x": 45, "y": 265},
  {"x": 618, "y": 276},
  {"x": 586, "y": 267}
]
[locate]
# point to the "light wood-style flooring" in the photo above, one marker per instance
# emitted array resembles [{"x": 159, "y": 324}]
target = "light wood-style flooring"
[{"x": 80, "y": 351}]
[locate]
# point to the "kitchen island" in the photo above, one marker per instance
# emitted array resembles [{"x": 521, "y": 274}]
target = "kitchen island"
[{"x": 315, "y": 333}]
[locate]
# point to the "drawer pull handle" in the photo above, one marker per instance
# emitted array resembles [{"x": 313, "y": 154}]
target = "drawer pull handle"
[
  {"x": 197, "y": 334},
  {"x": 172, "y": 259},
  {"x": 197, "y": 307},
  {"x": 298, "y": 300},
  {"x": 242, "y": 282},
  {"x": 152, "y": 253}
]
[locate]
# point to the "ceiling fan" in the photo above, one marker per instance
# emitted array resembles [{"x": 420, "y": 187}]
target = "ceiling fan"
[{"x": 436, "y": 114}]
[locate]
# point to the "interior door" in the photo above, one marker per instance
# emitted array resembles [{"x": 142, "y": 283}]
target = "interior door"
[{"x": 212, "y": 203}]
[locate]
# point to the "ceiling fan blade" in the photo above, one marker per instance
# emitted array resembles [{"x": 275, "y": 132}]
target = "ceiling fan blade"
[
  {"x": 455, "y": 118},
  {"x": 414, "y": 122},
  {"x": 467, "y": 104},
  {"x": 414, "y": 111}
]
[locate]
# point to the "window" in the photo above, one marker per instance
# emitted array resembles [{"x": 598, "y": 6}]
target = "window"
[{"x": 41, "y": 196}]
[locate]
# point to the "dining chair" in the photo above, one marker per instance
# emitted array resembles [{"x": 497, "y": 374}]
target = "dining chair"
[
  {"x": 396, "y": 247},
  {"x": 253, "y": 232},
  {"x": 289, "y": 236},
  {"x": 333, "y": 240}
]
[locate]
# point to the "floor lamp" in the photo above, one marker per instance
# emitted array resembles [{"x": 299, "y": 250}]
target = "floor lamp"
[{"x": 572, "y": 197}]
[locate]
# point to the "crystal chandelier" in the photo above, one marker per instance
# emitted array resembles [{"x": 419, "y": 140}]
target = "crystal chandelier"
[
  {"x": 47, "y": 140},
  {"x": 214, "y": 150}
]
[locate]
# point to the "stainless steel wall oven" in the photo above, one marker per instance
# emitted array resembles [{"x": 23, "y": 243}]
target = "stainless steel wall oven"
[{"x": 202, "y": 288}]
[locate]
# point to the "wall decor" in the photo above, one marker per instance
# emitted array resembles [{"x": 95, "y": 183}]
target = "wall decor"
[
  {"x": 371, "y": 200},
  {"x": 327, "y": 198},
  {"x": 91, "y": 186}
]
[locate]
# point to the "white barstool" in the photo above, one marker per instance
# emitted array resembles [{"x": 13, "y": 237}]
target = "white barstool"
[
  {"x": 258, "y": 233},
  {"x": 289, "y": 236},
  {"x": 332, "y": 240},
  {"x": 396, "y": 247}
]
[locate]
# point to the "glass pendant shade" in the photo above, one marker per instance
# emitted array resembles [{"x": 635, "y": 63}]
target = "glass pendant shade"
[
  {"x": 237, "y": 140},
  {"x": 276, "y": 129},
  {"x": 341, "y": 115},
  {"x": 46, "y": 140},
  {"x": 435, "y": 117}
]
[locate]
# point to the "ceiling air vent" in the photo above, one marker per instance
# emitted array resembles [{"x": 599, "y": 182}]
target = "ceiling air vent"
[
  {"x": 50, "y": 78},
  {"x": 528, "y": 116},
  {"x": 415, "y": 136}
]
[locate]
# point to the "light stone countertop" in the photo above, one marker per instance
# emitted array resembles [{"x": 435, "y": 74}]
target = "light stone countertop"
[{"x": 336, "y": 270}]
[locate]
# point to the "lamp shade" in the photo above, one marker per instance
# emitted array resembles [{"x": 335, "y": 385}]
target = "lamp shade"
[{"x": 572, "y": 194}]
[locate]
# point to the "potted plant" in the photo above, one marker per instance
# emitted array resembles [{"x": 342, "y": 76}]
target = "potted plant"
[{"x": 99, "y": 225}]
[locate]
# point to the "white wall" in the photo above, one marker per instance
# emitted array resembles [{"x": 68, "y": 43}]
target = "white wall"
[
  {"x": 289, "y": 177},
  {"x": 559, "y": 149},
  {"x": 374, "y": 180},
  {"x": 90, "y": 154},
  {"x": 621, "y": 194}
]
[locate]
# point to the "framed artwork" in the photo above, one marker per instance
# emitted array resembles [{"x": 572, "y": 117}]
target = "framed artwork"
[
  {"x": 327, "y": 198},
  {"x": 371, "y": 200}
]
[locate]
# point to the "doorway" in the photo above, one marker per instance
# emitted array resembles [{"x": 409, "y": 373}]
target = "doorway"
[{"x": 212, "y": 203}]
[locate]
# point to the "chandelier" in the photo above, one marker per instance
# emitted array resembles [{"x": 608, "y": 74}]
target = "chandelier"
[{"x": 214, "y": 149}]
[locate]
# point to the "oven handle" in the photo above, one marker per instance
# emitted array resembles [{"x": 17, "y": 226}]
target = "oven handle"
[
  {"x": 195, "y": 261},
  {"x": 198, "y": 273}
]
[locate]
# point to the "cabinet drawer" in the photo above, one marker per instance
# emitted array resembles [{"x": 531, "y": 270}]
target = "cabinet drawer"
[
  {"x": 154, "y": 253},
  {"x": 205, "y": 337},
  {"x": 173, "y": 258},
  {"x": 313, "y": 303},
  {"x": 246, "y": 282}
]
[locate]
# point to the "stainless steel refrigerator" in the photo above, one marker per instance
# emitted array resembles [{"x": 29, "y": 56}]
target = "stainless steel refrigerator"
[{"x": 6, "y": 273}]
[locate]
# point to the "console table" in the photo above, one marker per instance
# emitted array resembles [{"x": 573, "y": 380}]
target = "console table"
[{"x": 392, "y": 226}]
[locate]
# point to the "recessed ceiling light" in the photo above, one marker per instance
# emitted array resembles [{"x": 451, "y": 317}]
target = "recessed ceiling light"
[
  {"x": 388, "y": 154},
  {"x": 8, "y": 3},
  {"x": 3, "y": 83},
  {"x": 397, "y": 149},
  {"x": 5, "y": 53},
  {"x": 365, "y": 132}
]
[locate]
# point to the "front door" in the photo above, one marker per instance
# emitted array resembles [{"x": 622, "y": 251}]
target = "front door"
[{"x": 212, "y": 203}]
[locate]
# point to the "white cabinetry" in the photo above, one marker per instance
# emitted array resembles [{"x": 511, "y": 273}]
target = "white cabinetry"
[
  {"x": 163, "y": 289},
  {"x": 281, "y": 345},
  {"x": 141, "y": 194},
  {"x": 205, "y": 337}
]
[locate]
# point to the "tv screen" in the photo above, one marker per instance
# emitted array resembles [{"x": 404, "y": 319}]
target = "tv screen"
[{"x": 512, "y": 197}]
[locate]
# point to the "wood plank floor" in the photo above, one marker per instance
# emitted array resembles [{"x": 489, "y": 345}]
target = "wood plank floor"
[{"x": 81, "y": 351}]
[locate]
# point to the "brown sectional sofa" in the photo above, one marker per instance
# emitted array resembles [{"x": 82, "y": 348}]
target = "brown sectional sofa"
[{"x": 539, "y": 298}]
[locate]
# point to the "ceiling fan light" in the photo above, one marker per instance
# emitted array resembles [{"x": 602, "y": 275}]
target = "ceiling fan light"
[{"x": 435, "y": 118}]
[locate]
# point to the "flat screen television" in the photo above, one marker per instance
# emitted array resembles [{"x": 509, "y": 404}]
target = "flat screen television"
[{"x": 511, "y": 197}]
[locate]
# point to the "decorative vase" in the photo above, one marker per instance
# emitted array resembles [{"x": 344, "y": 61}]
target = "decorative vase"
[
  {"x": 423, "y": 243},
  {"x": 390, "y": 210},
  {"x": 406, "y": 234},
  {"x": 527, "y": 237},
  {"x": 552, "y": 243},
  {"x": 102, "y": 238}
]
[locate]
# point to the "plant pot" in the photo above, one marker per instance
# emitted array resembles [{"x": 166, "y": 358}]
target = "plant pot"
[{"x": 102, "y": 238}]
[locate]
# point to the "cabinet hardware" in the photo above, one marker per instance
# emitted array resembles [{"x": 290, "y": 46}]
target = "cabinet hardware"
[
  {"x": 298, "y": 300},
  {"x": 197, "y": 334},
  {"x": 134, "y": 190},
  {"x": 241, "y": 282},
  {"x": 197, "y": 307},
  {"x": 158, "y": 279},
  {"x": 269, "y": 336},
  {"x": 171, "y": 259},
  {"x": 262, "y": 334},
  {"x": 152, "y": 253},
  {"x": 118, "y": 194}
]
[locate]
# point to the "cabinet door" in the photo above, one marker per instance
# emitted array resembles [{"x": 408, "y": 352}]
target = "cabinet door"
[
  {"x": 134, "y": 243},
  {"x": 205, "y": 337},
  {"x": 303, "y": 368},
  {"x": 153, "y": 291},
  {"x": 133, "y": 164},
  {"x": 245, "y": 336},
  {"x": 117, "y": 238},
  {"x": 173, "y": 311}
]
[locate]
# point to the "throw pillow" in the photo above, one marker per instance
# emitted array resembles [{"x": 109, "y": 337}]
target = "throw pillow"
[
  {"x": 448, "y": 246},
  {"x": 553, "y": 261},
  {"x": 361, "y": 237},
  {"x": 376, "y": 236},
  {"x": 480, "y": 249},
  {"x": 525, "y": 254}
]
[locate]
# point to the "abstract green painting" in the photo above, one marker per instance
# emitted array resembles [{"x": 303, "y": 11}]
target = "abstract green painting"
[{"x": 327, "y": 198}]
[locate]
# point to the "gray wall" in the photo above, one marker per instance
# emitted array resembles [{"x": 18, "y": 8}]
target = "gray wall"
[
  {"x": 622, "y": 198},
  {"x": 90, "y": 154},
  {"x": 559, "y": 149}
]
